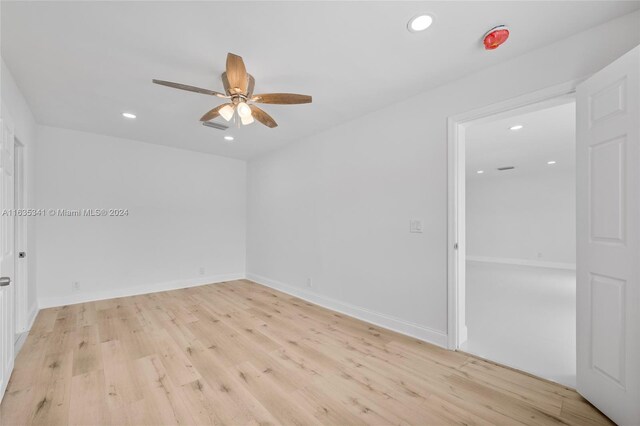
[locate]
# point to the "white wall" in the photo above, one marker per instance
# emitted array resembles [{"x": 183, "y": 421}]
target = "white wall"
[
  {"x": 186, "y": 211},
  {"x": 25, "y": 131},
  {"x": 530, "y": 217},
  {"x": 336, "y": 206}
]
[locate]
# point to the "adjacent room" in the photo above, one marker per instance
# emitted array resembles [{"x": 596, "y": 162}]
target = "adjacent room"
[
  {"x": 521, "y": 241},
  {"x": 314, "y": 212}
]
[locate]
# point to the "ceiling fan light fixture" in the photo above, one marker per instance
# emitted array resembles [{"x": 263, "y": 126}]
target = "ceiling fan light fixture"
[
  {"x": 244, "y": 111},
  {"x": 226, "y": 112},
  {"x": 246, "y": 120}
]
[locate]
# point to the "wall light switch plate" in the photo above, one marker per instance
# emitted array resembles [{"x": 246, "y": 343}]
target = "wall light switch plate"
[{"x": 415, "y": 226}]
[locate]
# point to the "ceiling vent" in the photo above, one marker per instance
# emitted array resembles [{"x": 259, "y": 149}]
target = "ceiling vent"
[
  {"x": 215, "y": 125},
  {"x": 506, "y": 168}
]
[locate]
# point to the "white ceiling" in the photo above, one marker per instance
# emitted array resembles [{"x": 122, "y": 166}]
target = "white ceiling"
[
  {"x": 547, "y": 135},
  {"x": 80, "y": 64}
]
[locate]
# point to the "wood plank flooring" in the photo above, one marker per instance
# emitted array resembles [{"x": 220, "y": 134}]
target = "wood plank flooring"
[{"x": 239, "y": 353}]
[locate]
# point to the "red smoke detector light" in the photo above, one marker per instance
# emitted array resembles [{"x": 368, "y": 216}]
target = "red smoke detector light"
[{"x": 495, "y": 37}]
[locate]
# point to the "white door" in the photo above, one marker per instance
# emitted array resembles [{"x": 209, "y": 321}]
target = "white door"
[
  {"x": 7, "y": 328},
  {"x": 608, "y": 230}
]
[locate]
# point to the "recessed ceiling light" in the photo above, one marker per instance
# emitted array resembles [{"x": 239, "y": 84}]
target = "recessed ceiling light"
[
  {"x": 480, "y": 172},
  {"x": 419, "y": 23},
  {"x": 516, "y": 127},
  {"x": 128, "y": 115},
  {"x": 228, "y": 138},
  {"x": 551, "y": 162}
]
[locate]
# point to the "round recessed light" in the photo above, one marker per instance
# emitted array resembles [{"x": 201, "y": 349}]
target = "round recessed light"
[
  {"x": 128, "y": 115},
  {"x": 228, "y": 138},
  {"x": 419, "y": 23},
  {"x": 516, "y": 127},
  {"x": 551, "y": 162},
  {"x": 480, "y": 172}
]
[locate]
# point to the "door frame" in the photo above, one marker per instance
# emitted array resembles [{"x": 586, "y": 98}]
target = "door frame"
[
  {"x": 456, "y": 256},
  {"x": 21, "y": 225}
]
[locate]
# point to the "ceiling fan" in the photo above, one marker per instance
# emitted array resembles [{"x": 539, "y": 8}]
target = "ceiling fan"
[{"x": 238, "y": 87}]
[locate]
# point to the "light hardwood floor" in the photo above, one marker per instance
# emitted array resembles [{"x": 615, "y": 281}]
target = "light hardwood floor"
[{"x": 239, "y": 353}]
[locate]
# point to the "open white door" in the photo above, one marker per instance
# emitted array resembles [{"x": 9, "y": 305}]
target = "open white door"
[
  {"x": 608, "y": 231},
  {"x": 7, "y": 328}
]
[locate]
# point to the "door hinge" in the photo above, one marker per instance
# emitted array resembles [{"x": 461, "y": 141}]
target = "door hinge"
[{"x": 455, "y": 246}]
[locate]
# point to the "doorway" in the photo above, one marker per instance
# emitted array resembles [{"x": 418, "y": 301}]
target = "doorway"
[
  {"x": 520, "y": 279},
  {"x": 460, "y": 129}
]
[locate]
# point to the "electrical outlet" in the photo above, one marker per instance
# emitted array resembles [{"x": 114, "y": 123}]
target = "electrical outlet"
[
  {"x": 201, "y": 270},
  {"x": 75, "y": 286},
  {"x": 309, "y": 282}
]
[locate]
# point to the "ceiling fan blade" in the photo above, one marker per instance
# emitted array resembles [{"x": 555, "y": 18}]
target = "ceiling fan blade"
[
  {"x": 190, "y": 88},
  {"x": 282, "y": 98},
  {"x": 236, "y": 73},
  {"x": 263, "y": 117},
  {"x": 225, "y": 83},
  {"x": 213, "y": 113},
  {"x": 252, "y": 83}
]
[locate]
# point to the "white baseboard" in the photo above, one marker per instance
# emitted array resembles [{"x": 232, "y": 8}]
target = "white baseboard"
[
  {"x": 20, "y": 343},
  {"x": 71, "y": 299},
  {"x": 386, "y": 321},
  {"x": 33, "y": 312},
  {"x": 523, "y": 262},
  {"x": 463, "y": 334},
  {"x": 31, "y": 316}
]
